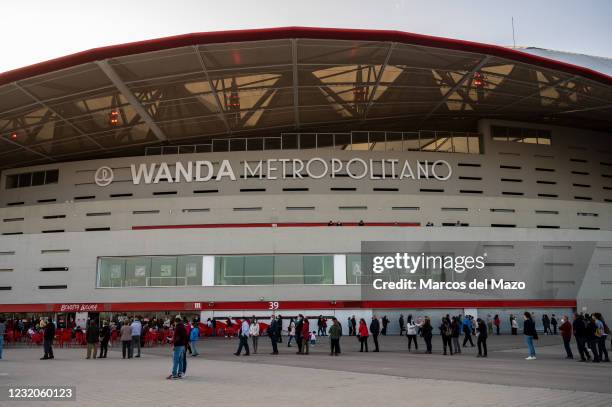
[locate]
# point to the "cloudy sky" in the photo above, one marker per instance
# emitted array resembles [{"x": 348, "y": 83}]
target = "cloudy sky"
[{"x": 38, "y": 30}]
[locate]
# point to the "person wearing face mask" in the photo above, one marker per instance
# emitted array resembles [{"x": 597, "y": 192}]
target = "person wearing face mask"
[{"x": 566, "y": 334}]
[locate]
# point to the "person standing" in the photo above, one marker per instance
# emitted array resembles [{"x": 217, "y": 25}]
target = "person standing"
[
  {"x": 298, "y": 332},
  {"x": 553, "y": 322},
  {"x": 483, "y": 333},
  {"x": 48, "y": 335},
  {"x": 385, "y": 323},
  {"x": 375, "y": 331},
  {"x": 467, "y": 331},
  {"x": 497, "y": 323},
  {"x": 401, "y": 325},
  {"x": 546, "y": 324},
  {"x": 272, "y": 334},
  {"x": 105, "y": 335},
  {"x": 427, "y": 333},
  {"x": 350, "y": 326},
  {"x": 566, "y": 334},
  {"x": 178, "y": 342},
  {"x": 446, "y": 333},
  {"x": 279, "y": 329},
  {"x": 136, "y": 331},
  {"x": 254, "y": 333},
  {"x": 2, "y": 333},
  {"x": 290, "y": 332},
  {"x": 194, "y": 336},
  {"x": 513, "y": 325},
  {"x": 335, "y": 332},
  {"x": 354, "y": 325},
  {"x": 243, "y": 336},
  {"x": 363, "y": 334},
  {"x": 489, "y": 324},
  {"x": 592, "y": 334},
  {"x": 455, "y": 332},
  {"x": 411, "y": 333},
  {"x": 126, "y": 339},
  {"x": 305, "y": 336},
  {"x": 92, "y": 336},
  {"x": 530, "y": 334}
]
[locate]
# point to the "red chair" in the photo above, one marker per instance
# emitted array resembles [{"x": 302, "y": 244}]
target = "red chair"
[{"x": 37, "y": 338}]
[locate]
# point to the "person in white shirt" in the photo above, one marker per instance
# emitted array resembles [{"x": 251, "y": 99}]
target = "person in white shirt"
[
  {"x": 254, "y": 332},
  {"x": 243, "y": 335}
]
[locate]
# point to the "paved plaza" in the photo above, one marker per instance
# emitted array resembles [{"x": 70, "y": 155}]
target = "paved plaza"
[{"x": 391, "y": 377}]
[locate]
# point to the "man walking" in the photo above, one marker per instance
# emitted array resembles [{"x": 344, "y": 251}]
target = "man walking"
[
  {"x": 243, "y": 336},
  {"x": 136, "y": 331},
  {"x": 194, "y": 336},
  {"x": 579, "y": 328},
  {"x": 401, "y": 325},
  {"x": 48, "y": 335},
  {"x": 375, "y": 331},
  {"x": 467, "y": 331}
]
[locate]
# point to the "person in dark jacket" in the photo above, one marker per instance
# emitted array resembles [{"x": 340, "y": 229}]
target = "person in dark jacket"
[
  {"x": 402, "y": 326},
  {"x": 298, "y": 332},
  {"x": 178, "y": 342},
  {"x": 530, "y": 333},
  {"x": 579, "y": 328},
  {"x": 272, "y": 332},
  {"x": 48, "y": 335},
  {"x": 553, "y": 322},
  {"x": 482, "y": 331},
  {"x": 375, "y": 331},
  {"x": 105, "y": 335},
  {"x": 546, "y": 323},
  {"x": 354, "y": 325},
  {"x": 426, "y": 333},
  {"x": 456, "y": 328},
  {"x": 592, "y": 338},
  {"x": 335, "y": 332},
  {"x": 385, "y": 323},
  {"x": 305, "y": 336},
  {"x": 92, "y": 335},
  {"x": 566, "y": 334},
  {"x": 446, "y": 333},
  {"x": 279, "y": 329}
]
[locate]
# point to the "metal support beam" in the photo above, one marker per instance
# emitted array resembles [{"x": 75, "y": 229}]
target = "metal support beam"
[
  {"x": 59, "y": 116},
  {"x": 8, "y": 140},
  {"x": 213, "y": 90},
  {"x": 378, "y": 79},
  {"x": 452, "y": 90},
  {"x": 545, "y": 89},
  {"x": 131, "y": 98},
  {"x": 296, "y": 104}
]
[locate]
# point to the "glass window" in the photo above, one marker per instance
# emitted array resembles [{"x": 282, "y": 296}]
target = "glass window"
[
  {"x": 288, "y": 270},
  {"x": 318, "y": 269},
  {"x": 229, "y": 270},
  {"x": 38, "y": 178},
  {"x": 25, "y": 180},
  {"x": 259, "y": 270},
  {"x": 12, "y": 181},
  {"x": 137, "y": 271},
  {"x": 163, "y": 271},
  {"x": 189, "y": 270},
  {"x": 52, "y": 177},
  {"x": 111, "y": 271},
  {"x": 353, "y": 269}
]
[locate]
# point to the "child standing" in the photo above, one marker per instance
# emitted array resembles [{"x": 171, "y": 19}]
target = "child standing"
[{"x": 313, "y": 338}]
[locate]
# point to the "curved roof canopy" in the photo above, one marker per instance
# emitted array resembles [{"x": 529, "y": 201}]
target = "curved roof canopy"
[{"x": 191, "y": 88}]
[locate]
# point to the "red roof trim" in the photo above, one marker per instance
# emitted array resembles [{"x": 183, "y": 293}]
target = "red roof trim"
[
  {"x": 218, "y": 37},
  {"x": 197, "y": 306}
]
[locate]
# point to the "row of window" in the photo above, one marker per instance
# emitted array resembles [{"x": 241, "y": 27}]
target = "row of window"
[
  {"x": 30, "y": 179},
  {"x": 151, "y": 271},
  {"x": 521, "y": 135}
]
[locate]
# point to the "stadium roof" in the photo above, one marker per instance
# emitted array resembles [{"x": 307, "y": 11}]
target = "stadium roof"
[{"x": 190, "y": 88}]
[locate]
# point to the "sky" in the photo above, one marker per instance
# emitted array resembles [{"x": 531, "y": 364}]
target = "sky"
[{"x": 39, "y": 30}]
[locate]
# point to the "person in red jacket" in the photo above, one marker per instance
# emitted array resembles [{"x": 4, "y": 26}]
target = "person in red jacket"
[
  {"x": 305, "y": 336},
  {"x": 362, "y": 333},
  {"x": 566, "y": 334}
]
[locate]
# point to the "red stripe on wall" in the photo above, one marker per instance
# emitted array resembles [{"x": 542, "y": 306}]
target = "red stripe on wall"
[
  {"x": 269, "y": 225},
  {"x": 197, "y": 306}
]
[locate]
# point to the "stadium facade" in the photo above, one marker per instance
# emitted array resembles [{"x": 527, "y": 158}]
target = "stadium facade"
[{"x": 238, "y": 173}]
